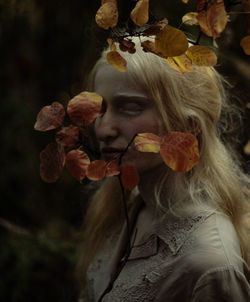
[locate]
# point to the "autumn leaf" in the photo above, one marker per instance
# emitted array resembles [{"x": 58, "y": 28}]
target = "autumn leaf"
[
  {"x": 77, "y": 162},
  {"x": 202, "y": 55},
  {"x": 247, "y": 148},
  {"x": 190, "y": 19},
  {"x": 171, "y": 42},
  {"x": 152, "y": 30},
  {"x": 67, "y": 136},
  {"x": 111, "y": 44},
  {"x": 180, "y": 151},
  {"x": 184, "y": 1},
  {"x": 184, "y": 62},
  {"x": 112, "y": 1},
  {"x": 107, "y": 15},
  {"x": 171, "y": 62},
  {"x": 127, "y": 45},
  {"x": 245, "y": 44},
  {"x": 84, "y": 108},
  {"x": 116, "y": 60},
  {"x": 112, "y": 168},
  {"x": 147, "y": 142},
  {"x": 130, "y": 177},
  {"x": 139, "y": 15},
  {"x": 149, "y": 46},
  {"x": 96, "y": 170},
  {"x": 52, "y": 160},
  {"x": 50, "y": 117}
]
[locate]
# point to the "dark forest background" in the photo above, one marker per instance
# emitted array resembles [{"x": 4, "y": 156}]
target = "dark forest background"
[{"x": 47, "y": 48}]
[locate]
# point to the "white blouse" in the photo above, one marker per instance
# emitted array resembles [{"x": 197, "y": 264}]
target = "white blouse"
[{"x": 190, "y": 258}]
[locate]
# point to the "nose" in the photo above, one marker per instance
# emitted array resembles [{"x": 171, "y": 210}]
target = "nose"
[{"x": 106, "y": 127}]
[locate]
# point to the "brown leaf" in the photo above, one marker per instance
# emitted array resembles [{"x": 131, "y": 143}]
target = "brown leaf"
[
  {"x": 202, "y": 55},
  {"x": 84, "y": 108},
  {"x": 139, "y": 15},
  {"x": 50, "y": 117},
  {"x": 77, "y": 162},
  {"x": 107, "y": 15},
  {"x": 96, "y": 170},
  {"x": 112, "y": 168},
  {"x": 152, "y": 30},
  {"x": 147, "y": 142},
  {"x": 190, "y": 19},
  {"x": 127, "y": 45},
  {"x": 247, "y": 148},
  {"x": 180, "y": 151},
  {"x": 52, "y": 160},
  {"x": 116, "y": 60},
  {"x": 130, "y": 177},
  {"x": 68, "y": 136},
  {"x": 112, "y": 1},
  {"x": 111, "y": 44},
  {"x": 171, "y": 42},
  {"x": 245, "y": 44}
]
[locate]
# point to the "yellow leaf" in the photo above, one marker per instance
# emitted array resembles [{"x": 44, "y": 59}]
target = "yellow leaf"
[
  {"x": 202, "y": 55},
  {"x": 247, "y": 148},
  {"x": 190, "y": 19},
  {"x": 171, "y": 42},
  {"x": 184, "y": 1},
  {"x": 175, "y": 66},
  {"x": 245, "y": 44},
  {"x": 147, "y": 142},
  {"x": 139, "y": 15},
  {"x": 107, "y": 15},
  {"x": 111, "y": 44},
  {"x": 184, "y": 62},
  {"x": 116, "y": 60}
]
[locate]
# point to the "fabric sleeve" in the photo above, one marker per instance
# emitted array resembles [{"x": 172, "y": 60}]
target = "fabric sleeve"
[{"x": 223, "y": 284}]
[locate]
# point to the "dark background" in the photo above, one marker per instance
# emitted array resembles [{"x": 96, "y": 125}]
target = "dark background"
[{"x": 46, "y": 50}]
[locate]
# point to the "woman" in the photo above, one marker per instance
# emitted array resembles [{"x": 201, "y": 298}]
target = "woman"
[{"x": 188, "y": 238}]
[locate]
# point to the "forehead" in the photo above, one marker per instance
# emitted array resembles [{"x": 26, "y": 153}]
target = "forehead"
[{"x": 110, "y": 82}]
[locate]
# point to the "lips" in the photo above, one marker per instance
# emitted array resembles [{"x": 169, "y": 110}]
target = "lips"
[{"x": 111, "y": 153}]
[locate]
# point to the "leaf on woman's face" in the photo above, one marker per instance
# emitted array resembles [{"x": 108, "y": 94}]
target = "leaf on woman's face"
[
  {"x": 52, "y": 160},
  {"x": 245, "y": 44},
  {"x": 130, "y": 177},
  {"x": 96, "y": 170},
  {"x": 68, "y": 136},
  {"x": 107, "y": 15},
  {"x": 116, "y": 60},
  {"x": 171, "y": 42},
  {"x": 50, "y": 117},
  {"x": 112, "y": 168},
  {"x": 180, "y": 151},
  {"x": 202, "y": 55},
  {"x": 139, "y": 15},
  {"x": 190, "y": 19},
  {"x": 77, "y": 162},
  {"x": 147, "y": 142},
  {"x": 84, "y": 108}
]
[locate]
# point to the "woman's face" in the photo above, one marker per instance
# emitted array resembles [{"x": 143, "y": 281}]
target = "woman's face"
[{"x": 127, "y": 110}]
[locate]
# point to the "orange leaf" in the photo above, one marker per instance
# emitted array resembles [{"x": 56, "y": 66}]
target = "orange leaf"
[
  {"x": 116, "y": 60},
  {"x": 96, "y": 170},
  {"x": 84, "y": 108},
  {"x": 247, "y": 148},
  {"x": 245, "y": 44},
  {"x": 112, "y": 168},
  {"x": 107, "y": 15},
  {"x": 202, "y": 55},
  {"x": 130, "y": 177},
  {"x": 152, "y": 30},
  {"x": 171, "y": 42},
  {"x": 147, "y": 142},
  {"x": 171, "y": 62},
  {"x": 184, "y": 62},
  {"x": 67, "y": 136},
  {"x": 180, "y": 151},
  {"x": 77, "y": 162},
  {"x": 139, "y": 15},
  {"x": 52, "y": 160},
  {"x": 50, "y": 117},
  {"x": 190, "y": 19}
]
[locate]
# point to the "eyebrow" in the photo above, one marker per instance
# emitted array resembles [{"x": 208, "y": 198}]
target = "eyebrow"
[{"x": 133, "y": 97}]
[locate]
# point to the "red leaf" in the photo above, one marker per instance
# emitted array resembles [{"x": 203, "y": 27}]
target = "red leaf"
[
  {"x": 84, "y": 108},
  {"x": 68, "y": 136},
  {"x": 130, "y": 177},
  {"x": 96, "y": 170},
  {"x": 112, "y": 168},
  {"x": 180, "y": 151},
  {"x": 50, "y": 117},
  {"x": 52, "y": 160},
  {"x": 77, "y": 162}
]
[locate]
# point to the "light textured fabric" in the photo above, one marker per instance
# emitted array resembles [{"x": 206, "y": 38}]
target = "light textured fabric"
[{"x": 189, "y": 258}]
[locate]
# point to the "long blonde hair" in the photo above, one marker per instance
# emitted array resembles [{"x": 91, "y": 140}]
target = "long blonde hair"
[{"x": 190, "y": 103}]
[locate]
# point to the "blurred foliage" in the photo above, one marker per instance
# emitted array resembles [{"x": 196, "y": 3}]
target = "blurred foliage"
[{"x": 46, "y": 50}]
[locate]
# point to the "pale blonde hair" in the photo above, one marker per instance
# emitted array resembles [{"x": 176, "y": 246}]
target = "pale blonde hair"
[{"x": 190, "y": 103}]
